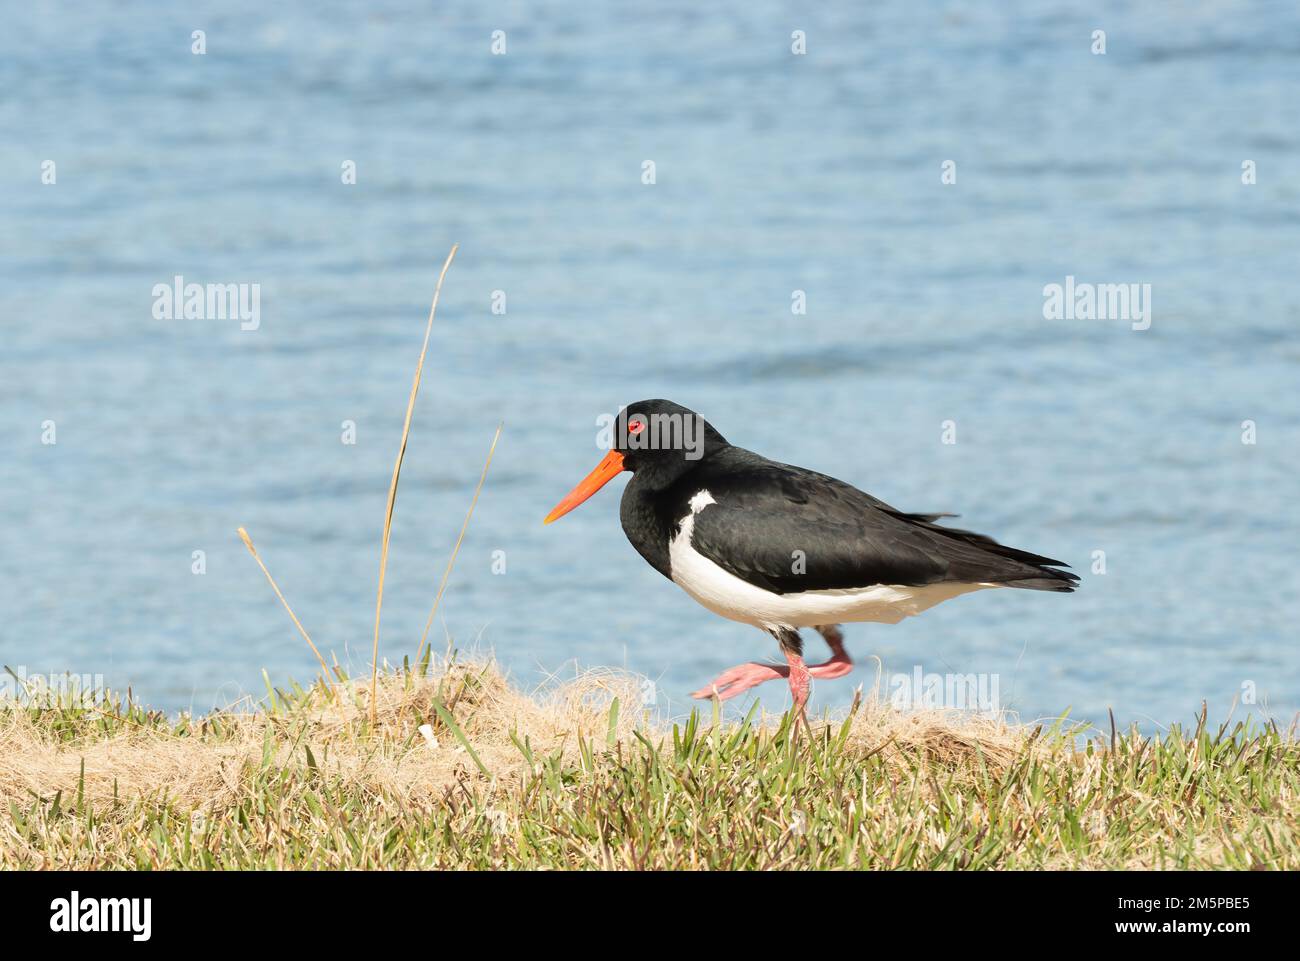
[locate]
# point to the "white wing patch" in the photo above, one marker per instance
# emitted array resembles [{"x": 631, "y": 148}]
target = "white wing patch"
[{"x": 700, "y": 501}]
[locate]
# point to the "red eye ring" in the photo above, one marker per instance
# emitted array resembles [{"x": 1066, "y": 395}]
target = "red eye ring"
[{"x": 635, "y": 426}]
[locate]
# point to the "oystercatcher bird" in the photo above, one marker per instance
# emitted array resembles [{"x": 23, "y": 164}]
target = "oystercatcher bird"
[{"x": 782, "y": 547}]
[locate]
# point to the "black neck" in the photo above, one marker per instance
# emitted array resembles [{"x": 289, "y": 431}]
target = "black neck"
[
  {"x": 647, "y": 508},
  {"x": 645, "y": 523}
]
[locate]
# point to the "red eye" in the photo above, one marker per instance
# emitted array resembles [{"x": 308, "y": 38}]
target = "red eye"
[{"x": 635, "y": 426}]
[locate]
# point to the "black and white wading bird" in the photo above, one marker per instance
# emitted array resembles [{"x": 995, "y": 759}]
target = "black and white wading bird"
[{"x": 782, "y": 547}]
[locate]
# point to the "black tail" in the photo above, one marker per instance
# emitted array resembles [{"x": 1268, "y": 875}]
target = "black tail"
[
  {"x": 985, "y": 561},
  {"x": 1061, "y": 581}
]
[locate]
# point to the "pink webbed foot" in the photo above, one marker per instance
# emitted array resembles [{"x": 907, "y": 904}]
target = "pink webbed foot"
[{"x": 741, "y": 678}]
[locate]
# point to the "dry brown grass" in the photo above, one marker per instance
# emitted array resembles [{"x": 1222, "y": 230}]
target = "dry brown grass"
[
  {"x": 569, "y": 776},
  {"x": 200, "y": 762}
]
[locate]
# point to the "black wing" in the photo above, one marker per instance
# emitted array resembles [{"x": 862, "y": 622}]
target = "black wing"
[{"x": 787, "y": 530}]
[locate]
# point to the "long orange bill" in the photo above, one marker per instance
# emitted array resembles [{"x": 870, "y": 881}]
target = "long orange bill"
[{"x": 609, "y": 468}]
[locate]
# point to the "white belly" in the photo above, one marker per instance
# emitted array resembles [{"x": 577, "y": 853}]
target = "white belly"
[{"x": 724, "y": 593}]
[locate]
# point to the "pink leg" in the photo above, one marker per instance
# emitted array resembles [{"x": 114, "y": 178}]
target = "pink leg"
[
  {"x": 840, "y": 663},
  {"x": 799, "y": 682}
]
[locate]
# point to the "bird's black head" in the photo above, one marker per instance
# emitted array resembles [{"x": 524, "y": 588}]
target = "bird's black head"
[
  {"x": 660, "y": 437},
  {"x": 657, "y": 440}
]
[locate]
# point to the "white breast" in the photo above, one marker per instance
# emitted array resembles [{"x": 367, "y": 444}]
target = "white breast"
[{"x": 726, "y": 594}]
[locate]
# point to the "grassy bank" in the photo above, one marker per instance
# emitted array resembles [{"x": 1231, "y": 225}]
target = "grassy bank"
[{"x": 574, "y": 778}]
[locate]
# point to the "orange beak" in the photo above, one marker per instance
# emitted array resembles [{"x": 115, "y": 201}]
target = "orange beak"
[{"x": 609, "y": 468}]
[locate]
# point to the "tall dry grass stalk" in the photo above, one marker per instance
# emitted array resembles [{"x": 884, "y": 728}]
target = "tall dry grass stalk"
[
  {"x": 325, "y": 671},
  {"x": 392, "y": 487},
  {"x": 451, "y": 561}
]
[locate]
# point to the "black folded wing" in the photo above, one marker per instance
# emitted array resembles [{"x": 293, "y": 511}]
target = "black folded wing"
[{"x": 787, "y": 529}]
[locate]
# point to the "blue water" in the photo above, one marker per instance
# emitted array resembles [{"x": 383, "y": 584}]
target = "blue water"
[{"x": 774, "y": 173}]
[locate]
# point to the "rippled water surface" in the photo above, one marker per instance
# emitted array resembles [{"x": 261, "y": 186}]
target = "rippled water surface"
[{"x": 774, "y": 173}]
